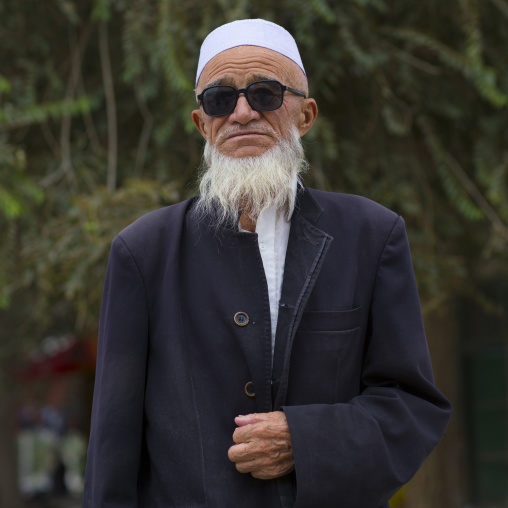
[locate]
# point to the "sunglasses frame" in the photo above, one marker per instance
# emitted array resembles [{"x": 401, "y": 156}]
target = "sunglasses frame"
[{"x": 239, "y": 91}]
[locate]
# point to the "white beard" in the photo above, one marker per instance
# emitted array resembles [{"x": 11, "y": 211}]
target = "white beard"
[{"x": 249, "y": 184}]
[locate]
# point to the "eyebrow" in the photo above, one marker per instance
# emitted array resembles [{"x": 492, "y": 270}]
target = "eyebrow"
[
  {"x": 220, "y": 81},
  {"x": 228, "y": 80},
  {"x": 262, "y": 77}
]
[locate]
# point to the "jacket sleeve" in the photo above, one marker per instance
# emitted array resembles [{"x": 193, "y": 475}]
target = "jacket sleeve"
[
  {"x": 114, "y": 450},
  {"x": 357, "y": 454}
]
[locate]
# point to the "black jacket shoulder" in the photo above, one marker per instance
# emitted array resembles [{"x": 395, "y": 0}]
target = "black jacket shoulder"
[
  {"x": 157, "y": 225},
  {"x": 356, "y": 215}
]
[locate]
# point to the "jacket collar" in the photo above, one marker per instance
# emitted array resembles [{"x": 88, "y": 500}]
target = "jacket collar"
[{"x": 306, "y": 205}]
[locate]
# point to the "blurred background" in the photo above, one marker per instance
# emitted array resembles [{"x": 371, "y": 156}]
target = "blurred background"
[{"x": 95, "y": 130}]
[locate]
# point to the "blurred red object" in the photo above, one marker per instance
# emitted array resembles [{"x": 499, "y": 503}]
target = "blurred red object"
[{"x": 75, "y": 356}]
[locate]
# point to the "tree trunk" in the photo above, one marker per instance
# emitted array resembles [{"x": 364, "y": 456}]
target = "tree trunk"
[
  {"x": 441, "y": 481},
  {"x": 9, "y": 491}
]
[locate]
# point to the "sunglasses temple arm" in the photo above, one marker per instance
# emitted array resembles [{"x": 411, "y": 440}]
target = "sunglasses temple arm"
[{"x": 289, "y": 89}]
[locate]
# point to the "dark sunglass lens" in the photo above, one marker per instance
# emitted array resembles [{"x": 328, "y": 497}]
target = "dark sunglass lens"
[
  {"x": 219, "y": 100},
  {"x": 265, "y": 96}
]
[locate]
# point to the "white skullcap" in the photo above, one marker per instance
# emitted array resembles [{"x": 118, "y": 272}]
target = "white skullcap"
[{"x": 248, "y": 32}]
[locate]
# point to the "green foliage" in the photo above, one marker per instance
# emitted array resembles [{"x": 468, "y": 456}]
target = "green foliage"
[
  {"x": 413, "y": 114},
  {"x": 21, "y": 191},
  {"x": 483, "y": 78},
  {"x": 101, "y": 10},
  {"x": 456, "y": 193},
  {"x": 13, "y": 118},
  {"x": 5, "y": 86}
]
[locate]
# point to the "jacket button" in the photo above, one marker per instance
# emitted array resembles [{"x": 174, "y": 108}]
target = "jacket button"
[
  {"x": 249, "y": 389},
  {"x": 241, "y": 319}
]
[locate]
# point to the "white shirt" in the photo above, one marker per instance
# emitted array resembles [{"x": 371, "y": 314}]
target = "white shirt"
[{"x": 272, "y": 229}]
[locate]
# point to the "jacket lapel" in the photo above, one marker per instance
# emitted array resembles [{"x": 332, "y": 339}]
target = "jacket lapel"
[{"x": 307, "y": 248}]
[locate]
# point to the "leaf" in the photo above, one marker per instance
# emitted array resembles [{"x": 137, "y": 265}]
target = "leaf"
[{"x": 5, "y": 86}]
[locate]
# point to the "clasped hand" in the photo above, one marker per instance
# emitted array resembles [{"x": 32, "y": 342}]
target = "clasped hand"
[{"x": 263, "y": 445}]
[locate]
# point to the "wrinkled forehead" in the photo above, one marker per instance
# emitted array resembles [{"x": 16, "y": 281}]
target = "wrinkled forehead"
[
  {"x": 242, "y": 65},
  {"x": 248, "y": 32}
]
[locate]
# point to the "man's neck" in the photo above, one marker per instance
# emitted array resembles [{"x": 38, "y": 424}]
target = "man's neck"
[{"x": 247, "y": 223}]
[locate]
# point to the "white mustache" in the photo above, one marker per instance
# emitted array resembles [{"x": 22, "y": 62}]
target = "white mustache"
[{"x": 250, "y": 127}]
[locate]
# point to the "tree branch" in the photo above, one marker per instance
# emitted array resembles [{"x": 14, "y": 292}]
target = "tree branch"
[
  {"x": 50, "y": 139},
  {"x": 91, "y": 131},
  {"x": 145, "y": 132},
  {"x": 502, "y": 5},
  {"x": 109, "y": 91},
  {"x": 412, "y": 60},
  {"x": 65, "y": 132},
  {"x": 477, "y": 196}
]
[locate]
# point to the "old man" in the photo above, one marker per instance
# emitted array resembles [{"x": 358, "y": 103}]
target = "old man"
[{"x": 261, "y": 345}]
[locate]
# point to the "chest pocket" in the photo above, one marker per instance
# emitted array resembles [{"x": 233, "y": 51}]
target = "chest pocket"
[
  {"x": 326, "y": 357},
  {"x": 342, "y": 320}
]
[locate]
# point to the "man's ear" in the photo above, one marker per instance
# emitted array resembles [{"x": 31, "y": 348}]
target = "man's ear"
[
  {"x": 197, "y": 118},
  {"x": 307, "y": 116}
]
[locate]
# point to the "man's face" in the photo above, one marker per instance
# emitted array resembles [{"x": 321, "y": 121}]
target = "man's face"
[{"x": 246, "y": 132}]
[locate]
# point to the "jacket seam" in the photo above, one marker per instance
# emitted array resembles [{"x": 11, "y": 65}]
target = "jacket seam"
[
  {"x": 381, "y": 256},
  {"x": 137, "y": 269}
]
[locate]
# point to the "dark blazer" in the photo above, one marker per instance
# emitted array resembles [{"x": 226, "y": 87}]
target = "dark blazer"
[{"x": 351, "y": 368}]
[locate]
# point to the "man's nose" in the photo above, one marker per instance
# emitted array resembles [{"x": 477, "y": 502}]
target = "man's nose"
[{"x": 243, "y": 113}]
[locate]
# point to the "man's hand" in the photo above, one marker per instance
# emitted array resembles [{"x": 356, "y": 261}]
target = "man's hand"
[{"x": 263, "y": 445}]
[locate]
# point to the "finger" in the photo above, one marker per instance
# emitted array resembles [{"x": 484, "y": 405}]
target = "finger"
[
  {"x": 241, "y": 453},
  {"x": 273, "y": 430},
  {"x": 249, "y": 465},
  {"x": 260, "y": 431},
  {"x": 269, "y": 473},
  {"x": 262, "y": 466},
  {"x": 246, "y": 467},
  {"x": 242, "y": 420},
  {"x": 264, "y": 469},
  {"x": 259, "y": 451},
  {"x": 277, "y": 434},
  {"x": 242, "y": 435},
  {"x": 263, "y": 450},
  {"x": 255, "y": 450}
]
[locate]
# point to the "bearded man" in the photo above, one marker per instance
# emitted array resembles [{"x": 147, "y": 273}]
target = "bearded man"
[{"x": 261, "y": 345}]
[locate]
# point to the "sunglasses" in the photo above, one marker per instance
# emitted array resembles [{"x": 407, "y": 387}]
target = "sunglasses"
[{"x": 266, "y": 95}]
